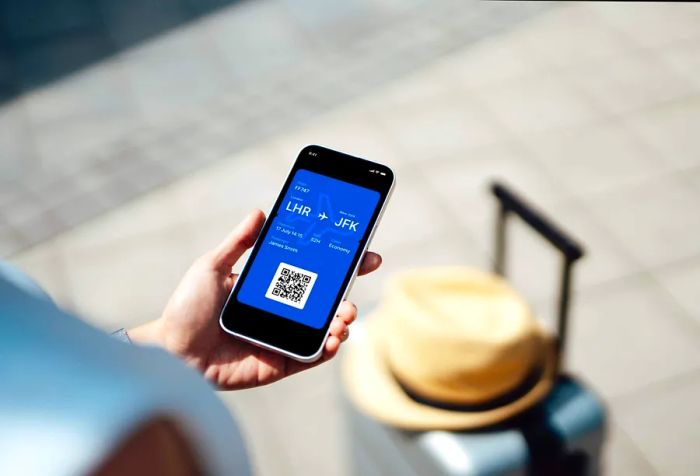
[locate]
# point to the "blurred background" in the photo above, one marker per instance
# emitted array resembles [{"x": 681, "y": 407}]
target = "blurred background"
[{"x": 134, "y": 134}]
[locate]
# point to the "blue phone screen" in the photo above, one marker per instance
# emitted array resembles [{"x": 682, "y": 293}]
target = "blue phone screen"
[{"x": 309, "y": 248}]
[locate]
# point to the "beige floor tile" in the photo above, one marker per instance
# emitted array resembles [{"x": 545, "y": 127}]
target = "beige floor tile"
[
  {"x": 158, "y": 210},
  {"x": 621, "y": 457},
  {"x": 596, "y": 157},
  {"x": 265, "y": 446},
  {"x": 422, "y": 87},
  {"x": 538, "y": 103},
  {"x": 352, "y": 130},
  {"x": 308, "y": 412},
  {"x": 120, "y": 283},
  {"x": 629, "y": 335},
  {"x": 412, "y": 214},
  {"x": 45, "y": 265},
  {"x": 669, "y": 22},
  {"x": 683, "y": 58},
  {"x": 656, "y": 221},
  {"x": 78, "y": 115},
  {"x": 294, "y": 425},
  {"x": 663, "y": 424},
  {"x": 605, "y": 259},
  {"x": 463, "y": 185},
  {"x": 628, "y": 83},
  {"x": 437, "y": 123},
  {"x": 495, "y": 60},
  {"x": 693, "y": 177},
  {"x": 682, "y": 281},
  {"x": 569, "y": 35},
  {"x": 670, "y": 129},
  {"x": 15, "y": 146}
]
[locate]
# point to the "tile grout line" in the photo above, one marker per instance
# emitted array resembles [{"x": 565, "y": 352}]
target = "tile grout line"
[{"x": 660, "y": 385}]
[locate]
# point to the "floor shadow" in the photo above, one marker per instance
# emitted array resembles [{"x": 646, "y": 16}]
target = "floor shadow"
[{"x": 43, "y": 40}]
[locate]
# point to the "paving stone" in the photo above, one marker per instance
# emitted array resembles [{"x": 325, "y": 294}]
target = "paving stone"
[
  {"x": 670, "y": 22},
  {"x": 622, "y": 457},
  {"x": 577, "y": 35},
  {"x": 655, "y": 220},
  {"x": 662, "y": 420},
  {"x": 629, "y": 83},
  {"x": 333, "y": 22},
  {"x": 78, "y": 115},
  {"x": 256, "y": 38},
  {"x": 668, "y": 128},
  {"x": 415, "y": 214},
  {"x": 492, "y": 61},
  {"x": 35, "y": 229},
  {"x": 682, "y": 57},
  {"x": 173, "y": 72},
  {"x": 113, "y": 266},
  {"x": 262, "y": 439},
  {"x": 538, "y": 103},
  {"x": 596, "y": 157},
  {"x": 16, "y": 148},
  {"x": 436, "y": 123},
  {"x": 630, "y": 335},
  {"x": 81, "y": 208},
  {"x": 681, "y": 282},
  {"x": 45, "y": 266},
  {"x": 10, "y": 241}
]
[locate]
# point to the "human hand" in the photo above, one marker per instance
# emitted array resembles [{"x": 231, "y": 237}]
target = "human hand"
[{"x": 189, "y": 326}]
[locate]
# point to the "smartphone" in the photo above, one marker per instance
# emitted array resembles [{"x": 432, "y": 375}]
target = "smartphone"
[{"x": 308, "y": 253}]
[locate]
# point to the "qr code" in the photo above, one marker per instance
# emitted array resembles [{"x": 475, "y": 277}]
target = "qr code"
[{"x": 291, "y": 285}]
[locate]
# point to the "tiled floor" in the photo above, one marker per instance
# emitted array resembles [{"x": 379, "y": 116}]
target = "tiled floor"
[
  {"x": 145, "y": 113},
  {"x": 580, "y": 108}
]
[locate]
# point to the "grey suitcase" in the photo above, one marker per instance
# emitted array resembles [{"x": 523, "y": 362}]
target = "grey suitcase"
[{"x": 561, "y": 435}]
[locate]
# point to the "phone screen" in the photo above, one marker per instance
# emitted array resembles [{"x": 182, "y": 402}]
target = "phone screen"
[{"x": 309, "y": 247}]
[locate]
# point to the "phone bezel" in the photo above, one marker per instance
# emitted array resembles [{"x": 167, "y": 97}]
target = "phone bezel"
[{"x": 282, "y": 334}]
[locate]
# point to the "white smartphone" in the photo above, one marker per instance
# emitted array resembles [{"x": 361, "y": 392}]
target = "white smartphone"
[{"x": 308, "y": 253}]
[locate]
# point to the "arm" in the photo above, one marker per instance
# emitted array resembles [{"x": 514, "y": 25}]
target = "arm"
[{"x": 189, "y": 326}]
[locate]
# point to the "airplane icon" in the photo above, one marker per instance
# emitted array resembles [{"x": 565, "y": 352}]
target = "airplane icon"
[{"x": 322, "y": 216}]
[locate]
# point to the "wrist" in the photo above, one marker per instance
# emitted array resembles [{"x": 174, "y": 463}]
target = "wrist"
[{"x": 147, "y": 334}]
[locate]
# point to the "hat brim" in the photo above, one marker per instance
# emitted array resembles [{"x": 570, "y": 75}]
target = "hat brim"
[{"x": 372, "y": 387}]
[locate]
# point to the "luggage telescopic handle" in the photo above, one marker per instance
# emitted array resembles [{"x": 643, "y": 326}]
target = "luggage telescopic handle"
[{"x": 570, "y": 249}]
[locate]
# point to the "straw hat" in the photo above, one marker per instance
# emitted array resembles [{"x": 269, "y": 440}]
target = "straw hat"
[{"x": 448, "y": 348}]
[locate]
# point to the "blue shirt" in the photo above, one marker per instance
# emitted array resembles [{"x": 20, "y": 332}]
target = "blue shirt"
[{"x": 69, "y": 393}]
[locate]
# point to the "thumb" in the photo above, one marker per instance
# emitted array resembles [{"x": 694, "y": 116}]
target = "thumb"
[{"x": 239, "y": 240}]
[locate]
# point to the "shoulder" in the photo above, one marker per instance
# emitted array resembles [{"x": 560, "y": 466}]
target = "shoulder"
[{"x": 78, "y": 394}]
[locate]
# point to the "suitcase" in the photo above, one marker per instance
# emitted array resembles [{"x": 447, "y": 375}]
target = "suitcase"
[{"x": 561, "y": 435}]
